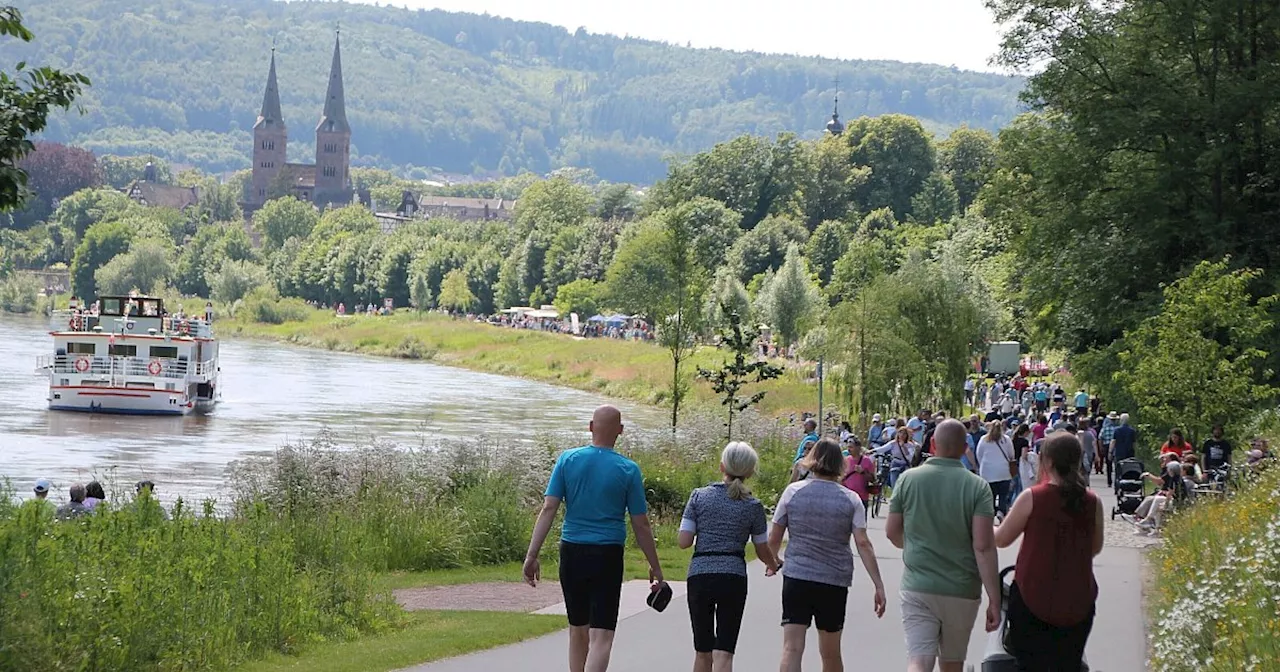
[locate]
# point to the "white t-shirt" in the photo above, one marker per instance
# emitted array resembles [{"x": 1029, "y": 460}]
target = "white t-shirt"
[
  {"x": 1029, "y": 468},
  {"x": 993, "y": 459}
]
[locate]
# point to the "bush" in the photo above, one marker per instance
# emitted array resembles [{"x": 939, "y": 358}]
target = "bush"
[
  {"x": 235, "y": 279},
  {"x": 497, "y": 523},
  {"x": 265, "y": 305},
  {"x": 19, "y": 293}
]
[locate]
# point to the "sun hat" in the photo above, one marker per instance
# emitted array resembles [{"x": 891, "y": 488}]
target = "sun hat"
[
  {"x": 1113, "y": 415},
  {"x": 42, "y": 485}
]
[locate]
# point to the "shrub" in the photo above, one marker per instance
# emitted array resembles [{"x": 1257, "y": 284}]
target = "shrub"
[
  {"x": 497, "y": 523},
  {"x": 19, "y": 293},
  {"x": 265, "y": 305}
]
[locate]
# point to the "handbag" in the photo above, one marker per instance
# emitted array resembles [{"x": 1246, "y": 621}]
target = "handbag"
[{"x": 1013, "y": 464}]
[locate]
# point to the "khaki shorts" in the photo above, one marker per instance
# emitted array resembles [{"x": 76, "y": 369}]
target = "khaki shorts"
[{"x": 938, "y": 625}]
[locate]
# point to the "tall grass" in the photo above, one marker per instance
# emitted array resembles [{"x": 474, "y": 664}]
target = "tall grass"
[
  {"x": 293, "y": 560},
  {"x": 134, "y": 588},
  {"x": 1218, "y": 584}
]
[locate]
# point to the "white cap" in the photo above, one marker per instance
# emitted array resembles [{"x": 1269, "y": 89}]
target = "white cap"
[{"x": 875, "y": 418}]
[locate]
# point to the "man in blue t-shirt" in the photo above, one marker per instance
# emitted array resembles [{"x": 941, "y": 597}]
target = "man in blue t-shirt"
[
  {"x": 1123, "y": 442},
  {"x": 917, "y": 424},
  {"x": 810, "y": 437},
  {"x": 599, "y": 489}
]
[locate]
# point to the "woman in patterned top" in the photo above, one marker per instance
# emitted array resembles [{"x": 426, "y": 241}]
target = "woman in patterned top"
[{"x": 721, "y": 518}]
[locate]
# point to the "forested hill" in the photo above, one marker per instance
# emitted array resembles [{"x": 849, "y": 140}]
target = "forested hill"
[{"x": 458, "y": 92}]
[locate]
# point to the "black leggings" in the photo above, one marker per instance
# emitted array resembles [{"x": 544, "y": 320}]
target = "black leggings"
[
  {"x": 1041, "y": 647},
  {"x": 716, "y": 603}
]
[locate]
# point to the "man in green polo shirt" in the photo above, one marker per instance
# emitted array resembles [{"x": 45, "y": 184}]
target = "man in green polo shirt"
[{"x": 941, "y": 516}]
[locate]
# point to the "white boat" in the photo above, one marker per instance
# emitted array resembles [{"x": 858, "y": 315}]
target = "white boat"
[{"x": 127, "y": 355}]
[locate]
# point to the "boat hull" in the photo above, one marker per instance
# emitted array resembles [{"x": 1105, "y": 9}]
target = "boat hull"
[{"x": 119, "y": 401}]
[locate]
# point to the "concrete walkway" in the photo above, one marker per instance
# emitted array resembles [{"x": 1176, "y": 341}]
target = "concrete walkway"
[{"x": 648, "y": 641}]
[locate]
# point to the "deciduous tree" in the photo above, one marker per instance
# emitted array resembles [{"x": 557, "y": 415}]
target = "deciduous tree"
[{"x": 743, "y": 369}]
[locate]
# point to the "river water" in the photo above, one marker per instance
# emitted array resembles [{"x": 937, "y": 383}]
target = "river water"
[{"x": 271, "y": 395}]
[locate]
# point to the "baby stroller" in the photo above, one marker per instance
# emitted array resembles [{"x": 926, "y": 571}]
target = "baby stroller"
[
  {"x": 1129, "y": 486},
  {"x": 996, "y": 659}
]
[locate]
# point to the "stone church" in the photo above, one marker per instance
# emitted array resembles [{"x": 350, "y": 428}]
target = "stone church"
[{"x": 328, "y": 180}]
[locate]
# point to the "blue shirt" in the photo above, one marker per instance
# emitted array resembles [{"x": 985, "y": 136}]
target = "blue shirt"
[
  {"x": 874, "y": 434},
  {"x": 1082, "y": 400},
  {"x": 807, "y": 439},
  {"x": 598, "y": 487},
  {"x": 1125, "y": 438}
]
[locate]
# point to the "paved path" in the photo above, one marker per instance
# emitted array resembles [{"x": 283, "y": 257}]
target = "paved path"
[{"x": 649, "y": 641}]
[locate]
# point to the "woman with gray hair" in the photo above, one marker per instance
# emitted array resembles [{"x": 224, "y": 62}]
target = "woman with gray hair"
[
  {"x": 720, "y": 518},
  {"x": 1173, "y": 489}
]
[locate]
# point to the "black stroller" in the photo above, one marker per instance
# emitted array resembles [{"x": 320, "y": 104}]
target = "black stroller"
[
  {"x": 1129, "y": 486},
  {"x": 996, "y": 658}
]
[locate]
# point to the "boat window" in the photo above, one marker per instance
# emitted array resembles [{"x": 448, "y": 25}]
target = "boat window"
[
  {"x": 80, "y": 348},
  {"x": 166, "y": 351},
  {"x": 110, "y": 306},
  {"x": 124, "y": 350}
]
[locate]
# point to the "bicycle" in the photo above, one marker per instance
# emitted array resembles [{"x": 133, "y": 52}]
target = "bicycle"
[{"x": 878, "y": 484}]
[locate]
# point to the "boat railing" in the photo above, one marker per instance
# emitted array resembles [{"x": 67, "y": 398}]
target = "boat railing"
[
  {"x": 67, "y": 320},
  {"x": 98, "y": 365}
]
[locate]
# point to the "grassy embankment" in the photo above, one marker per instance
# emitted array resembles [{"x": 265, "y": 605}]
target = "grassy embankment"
[
  {"x": 620, "y": 369},
  {"x": 298, "y": 574},
  {"x": 1217, "y": 584}
]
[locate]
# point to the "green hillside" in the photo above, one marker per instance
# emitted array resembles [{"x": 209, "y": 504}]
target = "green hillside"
[{"x": 458, "y": 92}]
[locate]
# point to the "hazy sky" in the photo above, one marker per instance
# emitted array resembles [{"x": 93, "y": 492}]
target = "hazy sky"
[{"x": 947, "y": 32}]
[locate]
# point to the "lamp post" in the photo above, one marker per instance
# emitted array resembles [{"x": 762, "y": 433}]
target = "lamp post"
[{"x": 820, "y": 386}]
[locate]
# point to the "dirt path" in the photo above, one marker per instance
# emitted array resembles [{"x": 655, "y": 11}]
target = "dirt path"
[{"x": 516, "y": 597}]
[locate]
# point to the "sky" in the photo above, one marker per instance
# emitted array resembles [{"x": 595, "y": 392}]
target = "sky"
[{"x": 947, "y": 32}]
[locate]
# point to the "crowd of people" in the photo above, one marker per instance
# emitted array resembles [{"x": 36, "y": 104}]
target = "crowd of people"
[
  {"x": 82, "y": 499},
  {"x": 960, "y": 489}
]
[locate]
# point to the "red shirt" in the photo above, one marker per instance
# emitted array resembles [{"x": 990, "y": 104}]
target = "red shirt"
[
  {"x": 1055, "y": 562},
  {"x": 1176, "y": 450},
  {"x": 1038, "y": 430}
]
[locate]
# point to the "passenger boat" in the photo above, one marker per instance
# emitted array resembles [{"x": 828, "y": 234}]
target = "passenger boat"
[{"x": 127, "y": 355}]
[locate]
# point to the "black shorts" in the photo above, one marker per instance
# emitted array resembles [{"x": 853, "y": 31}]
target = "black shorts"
[
  {"x": 716, "y": 603},
  {"x": 591, "y": 580},
  {"x": 809, "y": 601}
]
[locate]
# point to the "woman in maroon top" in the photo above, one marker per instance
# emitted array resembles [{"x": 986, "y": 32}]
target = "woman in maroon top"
[{"x": 1051, "y": 603}]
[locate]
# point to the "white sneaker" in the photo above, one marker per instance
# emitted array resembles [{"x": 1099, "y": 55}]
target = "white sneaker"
[{"x": 1129, "y": 518}]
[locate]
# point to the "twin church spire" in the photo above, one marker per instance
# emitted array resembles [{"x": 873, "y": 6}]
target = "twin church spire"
[{"x": 328, "y": 179}]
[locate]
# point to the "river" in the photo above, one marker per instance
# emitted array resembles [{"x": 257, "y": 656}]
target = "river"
[{"x": 271, "y": 395}]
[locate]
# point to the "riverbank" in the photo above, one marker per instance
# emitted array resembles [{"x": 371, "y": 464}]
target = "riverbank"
[{"x": 621, "y": 369}]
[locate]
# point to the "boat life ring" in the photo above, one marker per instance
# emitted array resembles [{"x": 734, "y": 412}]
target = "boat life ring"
[
  {"x": 154, "y": 368},
  {"x": 184, "y": 328},
  {"x": 71, "y": 324},
  {"x": 82, "y": 364}
]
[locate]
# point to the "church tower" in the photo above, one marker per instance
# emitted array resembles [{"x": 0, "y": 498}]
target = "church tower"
[
  {"x": 269, "y": 139},
  {"x": 333, "y": 140}
]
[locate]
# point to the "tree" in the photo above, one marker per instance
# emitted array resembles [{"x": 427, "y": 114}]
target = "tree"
[
  {"x": 80, "y": 210},
  {"x": 27, "y": 102},
  {"x": 968, "y": 158},
  {"x": 743, "y": 369},
  {"x": 727, "y": 291},
  {"x": 749, "y": 175},
  {"x": 53, "y": 171},
  {"x": 101, "y": 243},
  {"x": 936, "y": 202},
  {"x": 900, "y": 154},
  {"x": 1152, "y": 141},
  {"x": 217, "y": 202},
  {"x": 764, "y": 247},
  {"x": 825, "y": 247},
  {"x": 581, "y": 296},
  {"x": 1199, "y": 361},
  {"x": 791, "y": 298},
  {"x": 553, "y": 203},
  {"x": 283, "y": 218},
  {"x": 832, "y": 182},
  {"x": 146, "y": 267},
  {"x": 235, "y": 279},
  {"x": 420, "y": 294},
  {"x": 118, "y": 171},
  {"x": 455, "y": 294},
  {"x": 616, "y": 201}
]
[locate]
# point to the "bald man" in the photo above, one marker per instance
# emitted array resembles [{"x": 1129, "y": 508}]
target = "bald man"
[
  {"x": 599, "y": 489},
  {"x": 941, "y": 517}
]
